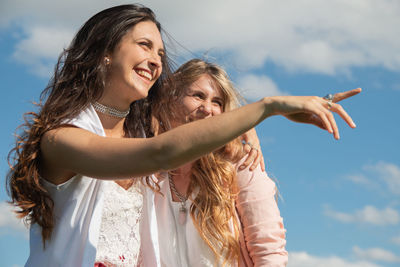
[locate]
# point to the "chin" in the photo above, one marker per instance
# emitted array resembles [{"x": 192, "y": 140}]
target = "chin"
[
  {"x": 140, "y": 94},
  {"x": 144, "y": 95}
]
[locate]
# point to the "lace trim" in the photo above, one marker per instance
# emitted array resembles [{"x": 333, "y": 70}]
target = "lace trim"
[{"x": 119, "y": 239}]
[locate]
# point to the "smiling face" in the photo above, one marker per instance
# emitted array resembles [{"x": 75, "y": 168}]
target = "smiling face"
[
  {"x": 202, "y": 99},
  {"x": 134, "y": 65}
]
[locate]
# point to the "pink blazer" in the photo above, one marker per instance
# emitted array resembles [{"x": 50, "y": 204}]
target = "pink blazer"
[{"x": 262, "y": 236}]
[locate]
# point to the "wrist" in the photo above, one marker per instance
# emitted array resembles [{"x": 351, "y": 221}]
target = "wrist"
[{"x": 269, "y": 106}]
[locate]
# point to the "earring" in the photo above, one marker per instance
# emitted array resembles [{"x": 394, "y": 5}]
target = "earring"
[{"x": 107, "y": 60}]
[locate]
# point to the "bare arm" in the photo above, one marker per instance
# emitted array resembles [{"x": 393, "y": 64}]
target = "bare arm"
[{"x": 71, "y": 150}]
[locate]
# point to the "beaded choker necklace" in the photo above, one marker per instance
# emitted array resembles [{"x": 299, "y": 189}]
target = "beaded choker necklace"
[{"x": 110, "y": 111}]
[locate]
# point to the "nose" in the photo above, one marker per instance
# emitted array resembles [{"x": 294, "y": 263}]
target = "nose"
[
  {"x": 155, "y": 61},
  {"x": 206, "y": 109}
]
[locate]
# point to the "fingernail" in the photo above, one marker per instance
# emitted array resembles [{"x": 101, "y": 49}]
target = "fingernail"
[{"x": 241, "y": 167}]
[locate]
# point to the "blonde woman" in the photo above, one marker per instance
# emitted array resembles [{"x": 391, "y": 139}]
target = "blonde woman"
[{"x": 210, "y": 213}]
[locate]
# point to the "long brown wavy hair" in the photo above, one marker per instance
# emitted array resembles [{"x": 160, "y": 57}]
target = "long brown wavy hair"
[
  {"x": 213, "y": 176},
  {"x": 79, "y": 79}
]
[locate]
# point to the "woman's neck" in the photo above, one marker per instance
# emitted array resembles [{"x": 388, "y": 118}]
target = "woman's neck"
[
  {"x": 181, "y": 178},
  {"x": 113, "y": 126}
]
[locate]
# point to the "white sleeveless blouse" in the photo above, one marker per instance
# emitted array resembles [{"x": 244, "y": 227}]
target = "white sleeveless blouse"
[{"x": 79, "y": 229}]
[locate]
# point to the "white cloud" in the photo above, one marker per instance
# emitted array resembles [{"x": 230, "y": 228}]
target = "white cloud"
[
  {"x": 300, "y": 35},
  {"x": 48, "y": 12},
  {"x": 389, "y": 173},
  {"x": 8, "y": 220},
  {"x": 361, "y": 180},
  {"x": 303, "y": 259},
  {"x": 254, "y": 87},
  {"x": 368, "y": 215},
  {"x": 41, "y": 47},
  {"x": 376, "y": 254},
  {"x": 382, "y": 176}
]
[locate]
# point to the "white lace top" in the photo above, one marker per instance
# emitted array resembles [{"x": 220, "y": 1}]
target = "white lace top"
[{"x": 119, "y": 240}]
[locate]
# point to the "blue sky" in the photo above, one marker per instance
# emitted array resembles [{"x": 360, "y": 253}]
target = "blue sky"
[{"x": 340, "y": 199}]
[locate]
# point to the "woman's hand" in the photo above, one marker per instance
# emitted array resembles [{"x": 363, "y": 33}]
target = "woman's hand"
[
  {"x": 251, "y": 145},
  {"x": 315, "y": 110}
]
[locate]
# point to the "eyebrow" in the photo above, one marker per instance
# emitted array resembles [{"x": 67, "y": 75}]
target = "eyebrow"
[
  {"x": 195, "y": 90},
  {"x": 152, "y": 43}
]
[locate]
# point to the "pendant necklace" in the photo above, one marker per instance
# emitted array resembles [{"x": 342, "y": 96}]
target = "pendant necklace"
[{"x": 182, "y": 199}]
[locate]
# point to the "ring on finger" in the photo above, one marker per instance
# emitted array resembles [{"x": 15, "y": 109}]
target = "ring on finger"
[
  {"x": 329, "y": 102},
  {"x": 250, "y": 145},
  {"x": 329, "y": 99}
]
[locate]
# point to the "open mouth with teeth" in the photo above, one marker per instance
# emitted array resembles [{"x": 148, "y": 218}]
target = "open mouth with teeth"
[{"x": 144, "y": 74}]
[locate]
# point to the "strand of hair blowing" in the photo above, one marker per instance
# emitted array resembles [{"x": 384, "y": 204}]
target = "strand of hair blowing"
[{"x": 79, "y": 79}]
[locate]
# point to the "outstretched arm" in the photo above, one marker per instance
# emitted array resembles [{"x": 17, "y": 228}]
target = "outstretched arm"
[
  {"x": 75, "y": 150},
  {"x": 69, "y": 150}
]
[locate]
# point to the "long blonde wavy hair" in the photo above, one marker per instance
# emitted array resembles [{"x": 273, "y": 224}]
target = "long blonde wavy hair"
[{"x": 213, "y": 209}]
